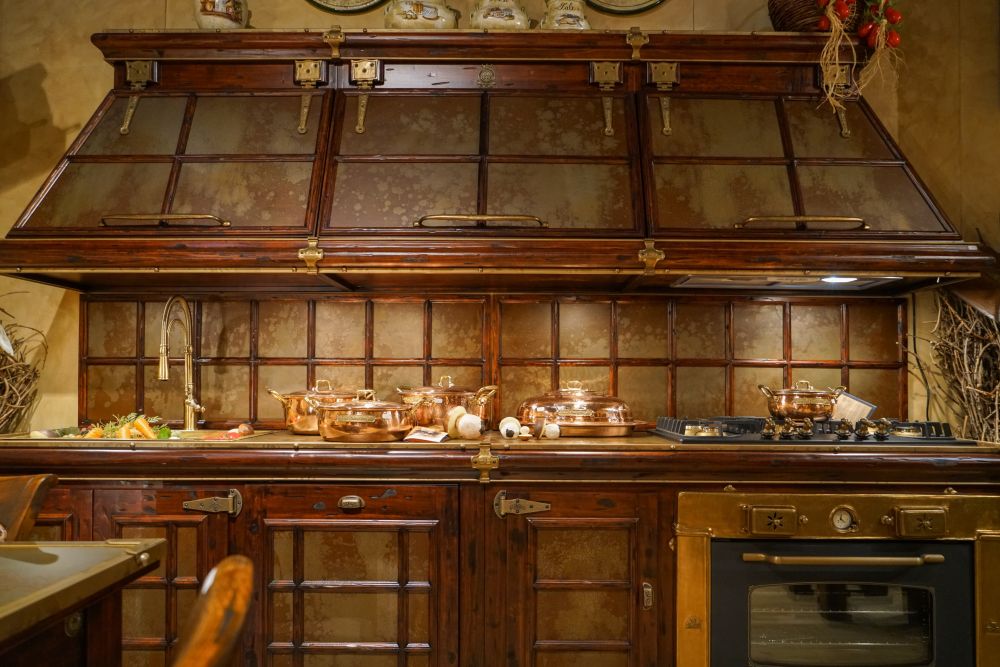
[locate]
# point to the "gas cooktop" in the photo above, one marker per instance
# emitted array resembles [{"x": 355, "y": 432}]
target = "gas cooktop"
[{"x": 758, "y": 430}]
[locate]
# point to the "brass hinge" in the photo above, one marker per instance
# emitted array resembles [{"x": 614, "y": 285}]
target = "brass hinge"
[
  {"x": 502, "y": 506},
  {"x": 231, "y": 504},
  {"x": 636, "y": 38},
  {"x": 665, "y": 76},
  {"x": 139, "y": 74},
  {"x": 606, "y": 75},
  {"x": 335, "y": 38},
  {"x": 311, "y": 254},
  {"x": 650, "y": 256},
  {"x": 484, "y": 461},
  {"x": 308, "y": 74},
  {"x": 365, "y": 74}
]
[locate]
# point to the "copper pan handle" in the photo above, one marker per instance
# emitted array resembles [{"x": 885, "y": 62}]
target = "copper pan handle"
[
  {"x": 841, "y": 561},
  {"x": 764, "y": 389},
  {"x": 280, "y": 397}
]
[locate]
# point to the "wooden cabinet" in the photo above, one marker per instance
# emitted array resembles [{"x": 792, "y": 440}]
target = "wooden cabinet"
[
  {"x": 363, "y": 574},
  {"x": 576, "y": 577},
  {"x": 601, "y": 161}
]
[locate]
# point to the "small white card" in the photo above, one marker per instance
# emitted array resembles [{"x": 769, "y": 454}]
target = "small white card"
[{"x": 852, "y": 408}]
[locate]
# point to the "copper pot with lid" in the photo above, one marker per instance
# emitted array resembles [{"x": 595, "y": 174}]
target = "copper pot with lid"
[
  {"x": 300, "y": 416},
  {"x": 437, "y": 400},
  {"x": 364, "y": 419},
  {"x": 802, "y": 401},
  {"x": 579, "y": 412}
]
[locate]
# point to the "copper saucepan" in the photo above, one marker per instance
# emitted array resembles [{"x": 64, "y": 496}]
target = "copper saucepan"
[
  {"x": 364, "y": 419},
  {"x": 801, "y": 402},
  {"x": 444, "y": 396},
  {"x": 300, "y": 416}
]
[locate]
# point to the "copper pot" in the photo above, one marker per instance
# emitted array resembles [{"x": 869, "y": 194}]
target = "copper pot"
[
  {"x": 444, "y": 396},
  {"x": 801, "y": 401},
  {"x": 300, "y": 416},
  {"x": 579, "y": 412},
  {"x": 364, "y": 420}
]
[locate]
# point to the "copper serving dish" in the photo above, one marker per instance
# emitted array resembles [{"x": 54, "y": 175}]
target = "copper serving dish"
[
  {"x": 300, "y": 416},
  {"x": 364, "y": 420},
  {"x": 442, "y": 397},
  {"x": 579, "y": 412},
  {"x": 801, "y": 402}
]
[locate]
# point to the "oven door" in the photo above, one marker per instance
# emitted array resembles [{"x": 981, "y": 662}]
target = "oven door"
[{"x": 842, "y": 603}]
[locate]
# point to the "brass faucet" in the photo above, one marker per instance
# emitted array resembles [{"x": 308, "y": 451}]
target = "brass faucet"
[{"x": 191, "y": 406}]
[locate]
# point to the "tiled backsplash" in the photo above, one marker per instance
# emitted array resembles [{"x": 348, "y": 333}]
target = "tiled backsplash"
[{"x": 683, "y": 356}]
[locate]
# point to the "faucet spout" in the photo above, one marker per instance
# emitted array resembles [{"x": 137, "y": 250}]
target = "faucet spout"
[{"x": 185, "y": 321}]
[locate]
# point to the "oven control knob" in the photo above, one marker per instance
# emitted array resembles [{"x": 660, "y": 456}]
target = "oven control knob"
[{"x": 844, "y": 520}]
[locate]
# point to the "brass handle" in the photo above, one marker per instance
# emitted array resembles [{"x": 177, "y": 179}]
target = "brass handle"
[
  {"x": 163, "y": 220},
  {"x": 322, "y": 385},
  {"x": 480, "y": 220},
  {"x": 351, "y": 503},
  {"x": 484, "y": 394},
  {"x": 279, "y": 396},
  {"x": 800, "y": 223},
  {"x": 851, "y": 561}
]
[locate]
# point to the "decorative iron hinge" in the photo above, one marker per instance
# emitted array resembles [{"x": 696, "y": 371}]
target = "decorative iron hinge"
[
  {"x": 665, "y": 76},
  {"x": 606, "y": 75},
  {"x": 484, "y": 461},
  {"x": 502, "y": 506},
  {"x": 636, "y": 38},
  {"x": 139, "y": 74},
  {"x": 308, "y": 74},
  {"x": 335, "y": 38},
  {"x": 365, "y": 74},
  {"x": 231, "y": 504},
  {"x": 311, "y": 254},
  {"x": 650, "y": 256}
]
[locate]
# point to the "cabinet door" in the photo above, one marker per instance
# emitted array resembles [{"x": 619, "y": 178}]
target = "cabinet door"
[
  {"x": 575, "y": 585},
  {"x": 523, "y": 163},
  {"x": 188, "y": 164},
  {"x": 155, "y": 606},
  {"x": 777, "y": 165},
  {"x": 361, "y": 575},
  {"x": 66, "y": 514}
]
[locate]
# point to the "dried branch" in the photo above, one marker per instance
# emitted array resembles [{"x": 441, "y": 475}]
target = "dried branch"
[{"x": 19, "y": 373}]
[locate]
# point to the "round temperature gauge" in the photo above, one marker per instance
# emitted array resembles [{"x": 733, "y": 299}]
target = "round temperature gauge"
[{"x": 844, "y": 519}]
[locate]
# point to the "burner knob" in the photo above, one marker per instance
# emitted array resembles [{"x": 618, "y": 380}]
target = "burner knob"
[{"x": 844, "y": 430}]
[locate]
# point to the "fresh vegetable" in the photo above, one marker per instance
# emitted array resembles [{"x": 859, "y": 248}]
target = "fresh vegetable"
[{"x": 132, "y": 426}]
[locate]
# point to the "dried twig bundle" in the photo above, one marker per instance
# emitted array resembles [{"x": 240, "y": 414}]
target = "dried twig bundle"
[
  {"x": 20, "y": 368},
  {"x": 966, "y": 349}
]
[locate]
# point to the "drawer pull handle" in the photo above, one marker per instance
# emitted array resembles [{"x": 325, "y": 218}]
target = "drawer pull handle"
[
  {"x": 479, "y": 220},
  {"x": 163, "y": 220},
  {"x": 800, "y": 223},
  {"x": 850, "y": 561},
  {"x": 351, "y": 503}
]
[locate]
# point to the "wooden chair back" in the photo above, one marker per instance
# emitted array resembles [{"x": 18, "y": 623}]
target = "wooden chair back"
[
  {"x": 21, "y": 498},
  {"x": 216, "y": 622}
]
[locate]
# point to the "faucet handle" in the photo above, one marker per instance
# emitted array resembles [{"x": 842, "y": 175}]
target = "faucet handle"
[{"x": 194, "y": 404}]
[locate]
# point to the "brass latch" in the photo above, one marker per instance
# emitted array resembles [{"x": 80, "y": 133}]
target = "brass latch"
[
  {"x": 484, "y": 462},
  {"x": 138, "y": 73},
  {"x": 334, "y": 37},
  {"x": 231, "y": 504},
  {"x": 650, "y": 256},
  {"x": 840, "y": 85},
  {"x": 665, "y": 76},
  {"x": 311, "y": 254},
  {"x": 502, "y": 506},
  {"x": 636, "y": 38},
  {"x": 308, "y": 74},
  {"x": 606, "y": 75},
  {"x": 365, "y": 74}
]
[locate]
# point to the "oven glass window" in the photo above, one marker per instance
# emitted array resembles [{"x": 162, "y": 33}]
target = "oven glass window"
[{"x": 840, "y": 625}]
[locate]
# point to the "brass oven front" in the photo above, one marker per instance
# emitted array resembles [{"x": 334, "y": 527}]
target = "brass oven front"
[{"x": 789, "y": 537}]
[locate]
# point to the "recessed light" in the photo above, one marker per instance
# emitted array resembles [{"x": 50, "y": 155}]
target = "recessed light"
[{"x": 838, "y": 279}]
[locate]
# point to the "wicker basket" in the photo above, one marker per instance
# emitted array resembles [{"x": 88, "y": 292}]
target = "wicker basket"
[{"x": 803, "y": 15}]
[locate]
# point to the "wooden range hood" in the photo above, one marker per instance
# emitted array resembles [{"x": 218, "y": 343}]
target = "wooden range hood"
[{"x": 655, "y": 161}]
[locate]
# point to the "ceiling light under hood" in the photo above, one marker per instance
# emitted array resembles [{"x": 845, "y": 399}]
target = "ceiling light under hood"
[
  {"x": 790, "y": 282},
  {"x": 837, "y": 280}
]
